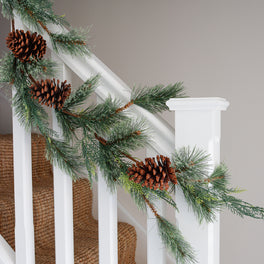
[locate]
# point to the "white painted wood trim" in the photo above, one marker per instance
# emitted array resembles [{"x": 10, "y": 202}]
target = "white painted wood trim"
[
  {"x": 107, "y": 221},
  {"x": 7, "y": 254},
  {"x": 24, "y": 228},
  {"x": 198, "y": 124},
  {"x": 63, "y": 195},
  {"x": 203, "y": 103}
]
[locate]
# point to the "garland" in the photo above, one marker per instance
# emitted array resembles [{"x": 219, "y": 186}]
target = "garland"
[{"x": 108, "y": 134}]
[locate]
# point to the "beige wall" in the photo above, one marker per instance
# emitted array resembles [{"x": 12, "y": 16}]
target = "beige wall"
[{"x": 217, "y": 49}]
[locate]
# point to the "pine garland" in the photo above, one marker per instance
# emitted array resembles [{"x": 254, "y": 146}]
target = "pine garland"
[{"x": 104, "y": 135}]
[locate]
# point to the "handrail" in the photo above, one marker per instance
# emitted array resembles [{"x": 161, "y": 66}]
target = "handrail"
[{"x": 111, "y": 84}]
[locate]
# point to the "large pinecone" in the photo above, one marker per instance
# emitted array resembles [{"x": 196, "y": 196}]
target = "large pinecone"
[
  {"x": 50, "y": 93},
  {"x": 154, "y": 173},
  {"x": 26, "y": 45}
]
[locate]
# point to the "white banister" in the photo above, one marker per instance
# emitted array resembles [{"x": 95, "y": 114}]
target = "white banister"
[
  {"x": 24, "y": 229},
  {"x": 155, "y": 247},
  {"x": 63, "y": 195},
  {"x": 107, "y": 221},
  {"x": 7, "y": 254},
  {"x": 198, "y": 123}
]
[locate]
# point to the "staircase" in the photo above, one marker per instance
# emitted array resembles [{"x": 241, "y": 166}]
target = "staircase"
[
  {"x": 79, "y": 238},
  {"x": 86, "y": 248}
]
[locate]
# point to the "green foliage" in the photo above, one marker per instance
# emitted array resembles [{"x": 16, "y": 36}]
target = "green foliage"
[
  {"x": 154, "y": 98},
  {"x": 175, "y": 242},
  {"x": 124, "y": 135},
  {"x": 101, "y": 118},
  {"x": 10, "y": 68},
  {"x": 136, "y": 191},
  {"x": 193, "y": 161},
  {"x": 65, "y": 156},
  {"x": 7, "y": 68},
  {"x": 34, "y": 11},
  {"x": 242, "y": 208},
  {"x": 72, "y": 42},
  {"x": 45, "y": 68},
  {"x": 7, "y": 8},
  {"x": 79, "y": 96},
  {"x": 205, "y": 192}
]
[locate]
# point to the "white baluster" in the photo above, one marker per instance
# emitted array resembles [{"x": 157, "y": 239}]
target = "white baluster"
[
  {"x": 24, "y": 229},
  {"x": 107, "y": 220},
  {"x": 24, "y": 226},
  {"x": 198, "y": 123},
  {"x": 7, "y": 254},
  {"x": 155, "y": 247},
  {"x": 63, "y": 203}
]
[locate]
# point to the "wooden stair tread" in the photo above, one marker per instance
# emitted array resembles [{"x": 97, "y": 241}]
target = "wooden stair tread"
[{"x": 85, "y": 226}]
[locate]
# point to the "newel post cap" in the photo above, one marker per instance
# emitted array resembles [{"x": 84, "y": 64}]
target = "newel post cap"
[{"x": 201, "y": 103}]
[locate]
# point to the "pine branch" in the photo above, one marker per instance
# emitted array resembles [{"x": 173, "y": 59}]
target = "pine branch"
[
  {"x": 173, "y": 239},
  {"x": 154, "y": 98},
  {"x": 60, "y": 153},
  {"x": 242, "y": 208},
  {"x": 79, "y": 96},
  {"x": 72, "y": 42}
]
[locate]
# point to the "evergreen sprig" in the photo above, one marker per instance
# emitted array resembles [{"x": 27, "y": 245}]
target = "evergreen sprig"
[
  {"x": 154, "y": 98},
  {"x": 208, "y": 193},
  {"x": 78, "y": 97},
  {"x": 174, "y": 241},
  {"x": 72, "y": 42}
]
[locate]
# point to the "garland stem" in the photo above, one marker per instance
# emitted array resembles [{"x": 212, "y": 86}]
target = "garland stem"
[
  {"x": 13, "y": 24},
  {"x": 208, "y": 180},
  {"x": 104, "y": 142},
  {"x": 124, "y": 107},
  {"x": 153, "y": 209}
]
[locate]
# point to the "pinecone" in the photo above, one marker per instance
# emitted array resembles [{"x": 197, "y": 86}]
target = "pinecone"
[
  {"x": 26, "y": 45},
  {"x": 51, "y": 93},
  {"x": 154, "y": 174}
]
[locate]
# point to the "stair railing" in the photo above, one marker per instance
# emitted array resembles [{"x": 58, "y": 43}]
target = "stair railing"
[{"x": 197, "y": 123}]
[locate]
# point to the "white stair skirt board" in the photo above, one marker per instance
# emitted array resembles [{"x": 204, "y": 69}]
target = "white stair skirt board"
[
  {"x": 7, "y": 254},
  {"x": 198, "y": 124},
  {"x": 63, "y": 195}
]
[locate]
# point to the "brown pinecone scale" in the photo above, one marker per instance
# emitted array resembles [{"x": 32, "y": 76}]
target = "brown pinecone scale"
[
  {"x": 26, "y": 45},
  {"x": 50, "y": 92},
  {"x": 154, "y": 173}
]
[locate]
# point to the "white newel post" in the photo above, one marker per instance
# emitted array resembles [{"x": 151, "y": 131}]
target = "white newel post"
[
  {"x": 198, "y": 123},
  {"x": 155, "y": 247},
  {"x": 63, "y": 203},
  {"x": 107, "y": 220}
]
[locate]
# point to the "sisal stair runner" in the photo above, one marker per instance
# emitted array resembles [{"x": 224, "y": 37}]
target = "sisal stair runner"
[{"x": 85, "y": 226}]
